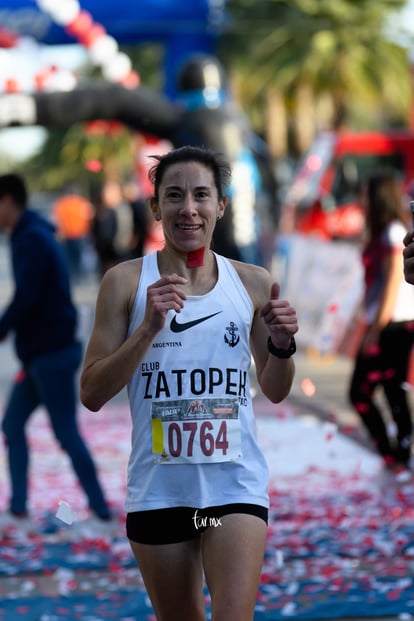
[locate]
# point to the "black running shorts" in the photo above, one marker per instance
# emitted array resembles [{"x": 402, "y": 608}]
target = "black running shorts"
[{"x": 177, "y": 524}]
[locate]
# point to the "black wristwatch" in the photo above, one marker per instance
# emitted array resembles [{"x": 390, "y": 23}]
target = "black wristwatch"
[{"x": 282, "y": 353}]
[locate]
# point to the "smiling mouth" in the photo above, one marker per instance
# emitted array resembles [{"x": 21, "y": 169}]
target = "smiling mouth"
[{"x": 189, "y": 227}]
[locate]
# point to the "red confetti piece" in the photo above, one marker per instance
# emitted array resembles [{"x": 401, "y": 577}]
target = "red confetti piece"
[{"x": 308, "y": 387}]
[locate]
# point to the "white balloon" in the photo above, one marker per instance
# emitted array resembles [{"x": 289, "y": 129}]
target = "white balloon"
[
  {"x": 117, "y": 68},
  {"x": 6, "y": 63},
  {"x": 61, "y": 81},
  {"x": 46, "y": 5},
  {"x": 103, "y": 49},
  {"x": 64, "y": 13}
]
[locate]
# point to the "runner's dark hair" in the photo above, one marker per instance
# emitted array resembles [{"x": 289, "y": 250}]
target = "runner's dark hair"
[{"x": 211, "y": 159}]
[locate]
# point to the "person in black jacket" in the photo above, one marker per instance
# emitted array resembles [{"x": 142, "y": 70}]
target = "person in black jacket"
[{"x": 43, "y": 318}]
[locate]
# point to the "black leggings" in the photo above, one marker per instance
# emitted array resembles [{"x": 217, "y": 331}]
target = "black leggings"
[{"x": 389, "y": 369}]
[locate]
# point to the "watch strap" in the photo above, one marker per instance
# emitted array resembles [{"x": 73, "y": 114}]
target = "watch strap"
[{"x": 282, "y": 353}]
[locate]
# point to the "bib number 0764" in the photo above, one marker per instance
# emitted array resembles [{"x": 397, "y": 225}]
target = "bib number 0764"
[{"x": 182, "y": 439}]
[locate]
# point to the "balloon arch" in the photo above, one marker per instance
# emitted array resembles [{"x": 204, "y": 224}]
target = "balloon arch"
[{"x": 195, "y": 108}]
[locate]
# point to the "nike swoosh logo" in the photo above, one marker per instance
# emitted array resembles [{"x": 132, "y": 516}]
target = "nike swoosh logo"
[{"x": 180, "y": 327}]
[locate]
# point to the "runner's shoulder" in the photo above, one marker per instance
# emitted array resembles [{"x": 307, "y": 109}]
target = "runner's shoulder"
[
  {"x": 256, "y": 279},
  {"x": 120, "y": 282}
]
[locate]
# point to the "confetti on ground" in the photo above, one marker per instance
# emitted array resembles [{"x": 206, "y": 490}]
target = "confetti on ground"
[
  {"x": 340, "y": 538},
  {"x": 308, "y": 387},
  {"x": 65, "y": 513}
]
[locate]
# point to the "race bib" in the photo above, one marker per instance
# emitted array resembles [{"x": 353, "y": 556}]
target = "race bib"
[{"x": 196, "y": 431}]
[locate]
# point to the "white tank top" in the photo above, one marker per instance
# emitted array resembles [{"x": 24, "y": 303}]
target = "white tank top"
[{"x": 193, "y": 428}]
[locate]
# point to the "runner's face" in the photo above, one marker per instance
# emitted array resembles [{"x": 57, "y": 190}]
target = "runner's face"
[{"x": 188, "y": 206}]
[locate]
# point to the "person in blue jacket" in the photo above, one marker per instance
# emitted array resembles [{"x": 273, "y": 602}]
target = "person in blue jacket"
[{"x": 43, "y": 318}]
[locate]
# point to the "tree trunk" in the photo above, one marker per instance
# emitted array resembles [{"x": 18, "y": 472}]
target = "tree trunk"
[
  {"x": 304, "y": 118},
  {"x": 276, "y": 123}
]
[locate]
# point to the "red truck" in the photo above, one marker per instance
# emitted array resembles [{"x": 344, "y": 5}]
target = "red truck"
[{"x": 322, "y": 199}]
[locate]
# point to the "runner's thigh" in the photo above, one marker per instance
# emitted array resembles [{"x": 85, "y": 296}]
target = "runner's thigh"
[
  {"x": 233, "y": 558},
  {"x": 173, "y": 578}
]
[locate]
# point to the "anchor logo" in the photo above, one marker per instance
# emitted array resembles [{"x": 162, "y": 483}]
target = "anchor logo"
[{"x": 233, "y": 337}]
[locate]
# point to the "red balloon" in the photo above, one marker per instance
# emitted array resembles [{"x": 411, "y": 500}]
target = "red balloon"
[
  {"x": 88, "y": 37},
  {"x": 80, "y": 25}
]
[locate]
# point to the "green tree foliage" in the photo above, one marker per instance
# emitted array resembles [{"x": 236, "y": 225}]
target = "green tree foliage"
[
  {"x": 68, "y": 156},
  {"x": 340, "y": 48}
]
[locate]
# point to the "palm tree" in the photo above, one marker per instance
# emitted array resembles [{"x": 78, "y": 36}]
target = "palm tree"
[{"x": 299, "y": 54}]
